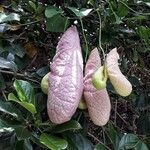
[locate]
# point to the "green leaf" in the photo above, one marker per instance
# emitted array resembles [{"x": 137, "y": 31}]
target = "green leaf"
[
  {"x": 113, "y": 135},
  {"x": 70, "y": 125},
  {"x": 53, "y": 142},
  {"x": 92, "y": 2},
  {"x": 22, "y": 133},
  {"x": 10, "y": 17},
  {"x": 43, "y": 71},
  {"x": 10, "y": 109},
  {"x": 8, "y": 64},
  {"x": 135, "y": 56},
  {"x": 57, "y": 23},
  {"x": 143, "y": 124},
  {"x": 52, "y": 11},
  {"x": 12, "y": 97},
  {"x": 36, "y": 139},
  {"x": 112, "y": 6},
  {"x": 41, "y": 101},
  {"x": 80, "y": 13},
  {"x": 40, "y": 8},
  {"x": 122, "y": 9},
  {"x": 141, "y": 146},
  {"x": 27, "y": 145},
  {"x": 143, "y": 2},
  {"x": 4, "y": 27},
  {"x": 144, "y": 32},
  {"x": 7, "y": 141},
  {"x": 100, "y": 147},
  {"x": 129, "y": 141},
  {"x": 29, "y": 106},
  {"x": 32, "y": 5},
  {"x": 4, "y": 127},
  {"x": 78, "y": 142},
  {"x": 25, "y": 91},
  {"x": 17, "y": 49}
]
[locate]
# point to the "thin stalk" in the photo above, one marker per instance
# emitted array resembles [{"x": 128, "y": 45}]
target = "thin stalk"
[
  {"x": 29, "y": 23},
  {"x": 84, "y": 36},
  {"x": 95, "y": 138},
  {"x": 100, "y": 35},
  {"x": 19, "y": 25},
  {"x": 19, "y": 75},
  {"x": 140, "y": 13}
]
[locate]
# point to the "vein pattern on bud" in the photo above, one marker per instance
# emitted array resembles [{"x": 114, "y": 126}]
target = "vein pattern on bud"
[{"x": 122, "y": 86}]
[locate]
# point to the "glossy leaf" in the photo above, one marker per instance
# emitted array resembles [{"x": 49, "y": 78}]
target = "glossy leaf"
[
  {"x": 80, "y": 13},
  {"x": 113, "y": 135},
  {"x": 4, "y": 127},
  {"x": 10, "y": 17},
  {"x": 70, "y": 125},
  {"x": 27, "y": 145},
  {"x": 10, "y": 109},
  {"x": 52, "y": 11},
  {"x": 57, "y": 23},
  {"x": 32, "y": 5},
  {"x": 24, "y": 91},
  {"x": 129, "y": 141},
  {"x": 53, "y": 142},
  {"x": 78, "y": 142},
  {"x": 22, "y": 133},
  {"x": 7, "y": 64},
  {"x": 143, "y": 124},
  {"x": 7, "y": 141},
  {"x": 29, "y": 106},
  {"x": 100, "y": 147},
  {"x": 122, "y": 9}
]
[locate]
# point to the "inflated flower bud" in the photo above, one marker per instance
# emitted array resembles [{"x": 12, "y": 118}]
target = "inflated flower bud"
[
  {"x": 44, "y": 83},
  {"x": 97, "y": 101},
  {"x": 122, "y": 86}
]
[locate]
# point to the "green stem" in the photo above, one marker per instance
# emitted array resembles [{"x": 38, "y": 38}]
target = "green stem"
[
  {"x": 86, "y": 43},
  {"x": 29, "y": 23},
  {"x": 18, "y": 75},
  {"x": 140, "y": 13},
  {"x": 100, "y": 35}
]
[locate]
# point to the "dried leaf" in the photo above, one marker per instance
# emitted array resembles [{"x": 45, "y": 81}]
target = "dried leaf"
[
  {"x": 1, "y": 8},
  {"x": 31, "y": 50}
]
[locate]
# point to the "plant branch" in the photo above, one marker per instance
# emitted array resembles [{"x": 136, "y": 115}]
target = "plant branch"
[
  {"x": 100, "y": 35},
  {"x": 19, "y": 75},
  {"x": 95, "y": 138},
  {"x": 86, "y": 43}
]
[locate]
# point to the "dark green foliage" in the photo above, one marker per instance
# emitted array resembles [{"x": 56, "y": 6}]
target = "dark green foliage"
[{"x": 24, "y": 123}]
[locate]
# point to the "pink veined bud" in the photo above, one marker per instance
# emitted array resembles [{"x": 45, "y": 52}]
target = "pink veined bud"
[
  {"x": 122, "y": 86},
  {"x": 97, "y": 101},
  {"x": 66, "y": 78}
]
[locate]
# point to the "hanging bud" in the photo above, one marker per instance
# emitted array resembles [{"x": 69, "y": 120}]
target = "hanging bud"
[
  {"x": 122, "y": 86},
  {"x": 97, "y": 101},
  {"x": 44, "y": 84}
]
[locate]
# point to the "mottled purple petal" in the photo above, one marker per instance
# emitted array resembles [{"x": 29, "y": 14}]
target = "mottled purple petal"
[
  {"x": 122, "y": 86},
  {"x": 97, "y": 101},
  {"x": 66, "y": 78}
]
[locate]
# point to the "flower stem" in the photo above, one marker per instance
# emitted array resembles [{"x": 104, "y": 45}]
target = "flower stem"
[
  {"x": 100, "y": 35},
  {"x": 86, "y": 43}
]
